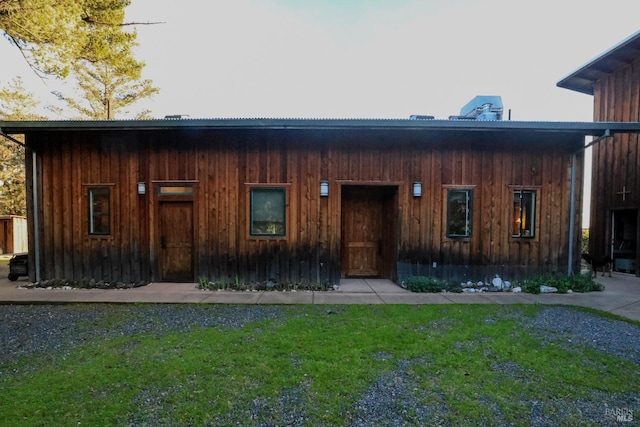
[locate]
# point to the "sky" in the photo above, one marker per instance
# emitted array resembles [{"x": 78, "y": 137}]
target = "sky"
[{"x": 363, "y": 59}]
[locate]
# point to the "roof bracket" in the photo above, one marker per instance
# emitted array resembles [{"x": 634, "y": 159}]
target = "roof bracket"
[
  {"x": 12, "y": 139},
  {"x": 606, "y": 134}
]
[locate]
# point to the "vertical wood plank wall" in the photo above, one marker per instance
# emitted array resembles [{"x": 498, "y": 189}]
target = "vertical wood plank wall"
[
  {"x": 615, "y": 160},
  {"x": 223, "y": 164}
]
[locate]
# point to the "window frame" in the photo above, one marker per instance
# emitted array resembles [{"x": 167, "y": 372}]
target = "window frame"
[
  {"x": 468, "y": 213},
  {"x": 281, "y": 211},
  {"x": 92, "y": 215},
  {"x": 530, "y": 230}
]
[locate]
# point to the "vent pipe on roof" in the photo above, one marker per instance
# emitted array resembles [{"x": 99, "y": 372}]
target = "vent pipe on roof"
[
  {"x": 481, "y": 108},
  {"x": 487, "y": 113}
]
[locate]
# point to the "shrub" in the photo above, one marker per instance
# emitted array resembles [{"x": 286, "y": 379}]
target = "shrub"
[
  {"x": 429, "y": 284},
  {"x": 577, "y": 283}
]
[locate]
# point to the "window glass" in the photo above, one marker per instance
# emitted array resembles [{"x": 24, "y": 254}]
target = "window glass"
[
  {"x": 173, "y": 190},
  {"x": 100, "y": 211},
  {"x": 524, "y": 213},
  {"x": 268, "y": 212},
  {"x": 459, "y": 213}
]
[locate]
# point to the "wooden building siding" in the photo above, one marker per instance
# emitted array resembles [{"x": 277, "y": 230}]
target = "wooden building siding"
[
  {"x": 223, "y": 165},
  {"x": 616, "y": 178}
]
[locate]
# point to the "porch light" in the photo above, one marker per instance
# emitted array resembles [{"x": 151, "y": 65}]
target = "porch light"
[
  {"x": 324, "y": 188},
  {"x": 142, "y": 188},
  {"x": 417, "y": 189}
]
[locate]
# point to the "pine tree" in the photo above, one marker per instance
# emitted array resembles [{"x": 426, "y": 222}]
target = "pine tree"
[{"x": 15, "y": 104}]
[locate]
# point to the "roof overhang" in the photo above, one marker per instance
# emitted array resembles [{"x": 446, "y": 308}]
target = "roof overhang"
[
  {"x": 584, "y": 79},
  {"x": 584, "y": 128}
]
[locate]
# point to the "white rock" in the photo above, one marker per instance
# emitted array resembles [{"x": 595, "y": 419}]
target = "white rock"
[
  {"x": 569, "y": 291},
  {"x": 506, "y": 285},
  {"x": 470, "y": 290},
  {"x": 516, "y": 289},
  {"x": 480, "y": 284},
  {"x": 547, "y": 289},
  {"x": 497, "y": 282}
]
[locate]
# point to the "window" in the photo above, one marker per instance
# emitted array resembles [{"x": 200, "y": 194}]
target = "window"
[
  {"x": 268, "y": 212},
  {"x": 100, "y": 211},
  {"x": 175, "y": 190},
  {"x": 459, "y": 213},
  {"x": 524, "y": 213}
]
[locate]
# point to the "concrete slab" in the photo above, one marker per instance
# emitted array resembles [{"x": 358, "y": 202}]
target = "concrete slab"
[
  {"x": 354, "y": 286},
  {"x": 631, "y": 311},
  {"x": 381, "y": 286},
  {"x": 305, "y": 297},
  {"x": 621, "y": 295},
  {"x": 507, "y": 298}
]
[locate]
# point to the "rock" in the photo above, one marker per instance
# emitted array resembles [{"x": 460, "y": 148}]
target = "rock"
[
  {"x": 493, "y": 289},
  {"x": 570, "y": 291},
  {"x": 480, "y": 284},
  {"x": 516, "y": 289},
  {"x": 469, "y": 290},
  {"x": 547, "y": 289},
  {"x": 506, "y": 285},
  {"x": 469, "y": 284},
  {"x": 497, "y": 282}
]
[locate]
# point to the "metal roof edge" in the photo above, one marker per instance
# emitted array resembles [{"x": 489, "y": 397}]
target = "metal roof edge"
[
  {"x": 586, "y": 128},
  {"x": 566, "y": 81}
]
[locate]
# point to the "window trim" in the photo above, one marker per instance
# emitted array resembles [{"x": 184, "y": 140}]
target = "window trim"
[
  {"x": 91, "y": 214},
  {"x": 534, "y": 217},
  {"x": 469, "y": 212},
  {"x": 275, "y": 188}
]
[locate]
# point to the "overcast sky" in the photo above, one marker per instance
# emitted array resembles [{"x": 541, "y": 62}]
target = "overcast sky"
[{"x": 367, "y": 59}]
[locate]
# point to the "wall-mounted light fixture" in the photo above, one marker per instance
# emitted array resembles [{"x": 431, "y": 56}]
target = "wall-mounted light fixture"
[
  {"x": 324, "y": 188},
  {"x": 142, "y": 188},
  {"x": 417, "y": 189}
]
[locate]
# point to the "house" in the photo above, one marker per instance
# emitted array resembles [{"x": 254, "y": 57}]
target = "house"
[
  {"x": 303, "y": 200},
  {"x": 13, "y": 234},
  {"x": 613, "y": 79}
]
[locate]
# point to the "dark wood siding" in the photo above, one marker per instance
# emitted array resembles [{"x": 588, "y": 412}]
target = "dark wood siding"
[
  {"x": 223, "y": 165},
  {"x": 616, "y": 159}
]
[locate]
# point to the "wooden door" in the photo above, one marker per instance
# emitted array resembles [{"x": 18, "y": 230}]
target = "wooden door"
[
  {"x": 362, "y": 232},
  {"x": 176, "y": 241}
]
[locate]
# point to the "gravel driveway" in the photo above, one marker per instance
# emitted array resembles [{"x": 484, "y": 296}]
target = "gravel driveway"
[{"x": 26, "y": 329}]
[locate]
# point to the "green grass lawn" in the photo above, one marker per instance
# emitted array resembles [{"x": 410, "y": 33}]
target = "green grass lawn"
[{"x": 468, "y": 364}]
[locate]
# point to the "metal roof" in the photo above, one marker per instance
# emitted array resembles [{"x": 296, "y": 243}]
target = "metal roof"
[
  {"x": 584, "y": 128},
  {"x": 584, "y": 79}
]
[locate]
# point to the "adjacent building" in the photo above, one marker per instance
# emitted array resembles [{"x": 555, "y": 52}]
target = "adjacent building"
[{"x": 613, "y": 79}]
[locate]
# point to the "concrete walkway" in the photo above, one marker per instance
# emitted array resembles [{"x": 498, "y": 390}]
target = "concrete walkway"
[{"x": 621, "y": 295}]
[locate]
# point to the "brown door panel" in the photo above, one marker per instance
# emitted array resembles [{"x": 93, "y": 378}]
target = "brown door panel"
[{"x": 176, "y": 241}]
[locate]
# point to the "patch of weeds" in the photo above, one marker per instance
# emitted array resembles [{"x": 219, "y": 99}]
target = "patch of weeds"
[
  {"x": 205, "y": 284},
  {"x": 578, "y": 283},
  {"x": 430, "y": 284}
]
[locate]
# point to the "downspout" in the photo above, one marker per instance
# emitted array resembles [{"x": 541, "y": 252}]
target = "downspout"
[
  {"x": 572, "y": 215},
  {"x": 36, "y": 227},
  {"x": 36, "y": 223}
]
